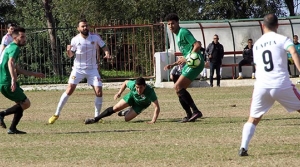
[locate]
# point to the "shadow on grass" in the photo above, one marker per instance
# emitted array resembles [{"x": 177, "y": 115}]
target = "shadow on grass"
[
  {"x": 276, "y": 119},
  {"x": 99, "y": 131}
]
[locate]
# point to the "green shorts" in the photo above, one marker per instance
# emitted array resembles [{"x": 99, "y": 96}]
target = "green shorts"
[
  {"x": 192, "y": 73},
  {"x": 137, "y": 108},
  {"x": 16, "y": 96}
]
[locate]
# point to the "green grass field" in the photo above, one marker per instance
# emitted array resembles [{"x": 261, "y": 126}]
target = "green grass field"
[{"x": 213, "y": 140}]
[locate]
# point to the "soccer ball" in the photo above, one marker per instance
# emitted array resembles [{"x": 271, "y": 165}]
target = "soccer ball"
[{"x": 193, "y": 60}]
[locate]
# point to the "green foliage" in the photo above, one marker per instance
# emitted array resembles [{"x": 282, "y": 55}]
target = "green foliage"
[
  {"x": 240, "y": 9},
  {"x": 6, "y": 9}
]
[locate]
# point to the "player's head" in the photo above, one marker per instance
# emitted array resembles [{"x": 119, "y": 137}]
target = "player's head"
[
  {"x": 10, "y": 28},
  {"x": 83, "y": 27},
  {"x": 216, "y": 38},
  {"x": 295, "y": 39},
  {"x": 173, "y": 22},
  {"x": 19, "y": 36},
  {"x": 270, "y": 22},
  {"x": 140, "y": 85}
]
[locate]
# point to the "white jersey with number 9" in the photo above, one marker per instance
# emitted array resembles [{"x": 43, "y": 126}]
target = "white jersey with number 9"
[{"x": 270, "y": 58}]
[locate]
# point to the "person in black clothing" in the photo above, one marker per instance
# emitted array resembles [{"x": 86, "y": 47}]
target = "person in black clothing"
[
  {"x": 247, "y": 59},
  {"x": 215, "y": 52}
]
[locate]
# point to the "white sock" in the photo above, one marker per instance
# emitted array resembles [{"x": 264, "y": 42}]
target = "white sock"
[
  {"x": 98, "y": 105},
  {"x": 248, "y": 132},
  {"x": 63, "y": 100},
  {"x": 204, "y": 72},
  {"x": 240, "y": 74},
  {"x": 253, "y": 74}
]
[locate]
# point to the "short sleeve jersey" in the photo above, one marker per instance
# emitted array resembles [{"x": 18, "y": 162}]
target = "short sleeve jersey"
[
  {"x": 86, "y": 50},
  {"x": 11, "y": 51},
  {"x": 146, "y": 98},
  {"x": 6, "y": 40},
  {"x": 269, "y": 55},
  {"x": 185, "y": 41}
]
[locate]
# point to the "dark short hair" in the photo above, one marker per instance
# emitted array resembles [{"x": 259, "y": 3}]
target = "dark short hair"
[
  {"x": 11, "y": 25},
  {"x": 271, "y": 21},
  {"x": 140, "y": 81},
  {"x": 250, "y": 39},
  {"x": 17, "y": 30},
  {"x": 296, "y": 36},
  {"x": 217, "y": 35},
  {"x": 82, "y": 20},
  {"x": 172, "y": 16}
]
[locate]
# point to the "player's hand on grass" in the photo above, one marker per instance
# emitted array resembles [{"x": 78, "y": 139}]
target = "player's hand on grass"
[{"x": 117, "y": 96}]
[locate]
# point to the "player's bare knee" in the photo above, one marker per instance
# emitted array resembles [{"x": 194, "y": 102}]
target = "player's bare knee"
[
  {"x": 98, "y": 94},
  {"x": 26, "y": 104},
  {"x": 177, "y": 87},
  {"x": 70, "y": 89},
  {"x": 254, "y": 121}
]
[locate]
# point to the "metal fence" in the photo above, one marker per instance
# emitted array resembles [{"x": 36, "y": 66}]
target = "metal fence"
[{"x": 132, "y": 48}]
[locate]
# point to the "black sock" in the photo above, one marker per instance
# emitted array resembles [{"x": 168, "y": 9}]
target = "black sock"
[
  {"x": 186, "y": 107},
  {"x": 11, "y": 110},
  {"x": 17, "y": 117},
  {"x": 109, "y": 111},
  {"x": 185, "y": 95}
]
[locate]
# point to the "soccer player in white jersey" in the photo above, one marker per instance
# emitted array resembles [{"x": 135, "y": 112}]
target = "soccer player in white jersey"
[
  {"x": 84, "y": 48},
  {"x": 7, "y": 38},
  {"x": 272, "y": 79}
]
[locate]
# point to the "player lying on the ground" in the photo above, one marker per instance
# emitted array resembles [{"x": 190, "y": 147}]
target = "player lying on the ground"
[{"x": 139, "y": 98}]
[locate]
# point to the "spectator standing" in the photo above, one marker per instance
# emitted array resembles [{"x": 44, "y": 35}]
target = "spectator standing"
[{"x": 215, "y": 52}]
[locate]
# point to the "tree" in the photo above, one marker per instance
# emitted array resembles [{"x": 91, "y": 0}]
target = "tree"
[
  {"x": 240, "y": 9},
  {"x": 52, "y": 33},
  {"x": 291, "y": 7},
  {"x": 6, "y": 8}
]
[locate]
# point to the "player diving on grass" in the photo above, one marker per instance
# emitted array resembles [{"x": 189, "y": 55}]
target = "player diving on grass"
[
  {"x": 187, "y": 44},
  {"x": 137, "y": 99}
]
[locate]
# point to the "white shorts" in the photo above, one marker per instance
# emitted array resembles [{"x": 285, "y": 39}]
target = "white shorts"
[
  {"x": 92, "y": 76},
  {"x": 263, "y": 99}
]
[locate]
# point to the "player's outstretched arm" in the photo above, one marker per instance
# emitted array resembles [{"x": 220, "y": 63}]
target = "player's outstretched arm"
[
  {"x": 156, "y": 112},
  {"x": 29, "y": 73},
  {"x": 123, "y": 87}
]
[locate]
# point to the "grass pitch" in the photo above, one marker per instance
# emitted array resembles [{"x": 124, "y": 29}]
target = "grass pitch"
[{"x": 213, "y": 140}]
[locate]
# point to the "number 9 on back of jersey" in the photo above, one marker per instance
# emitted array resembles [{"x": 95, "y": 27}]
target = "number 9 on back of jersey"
[{"x": 193, "y": 60}]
